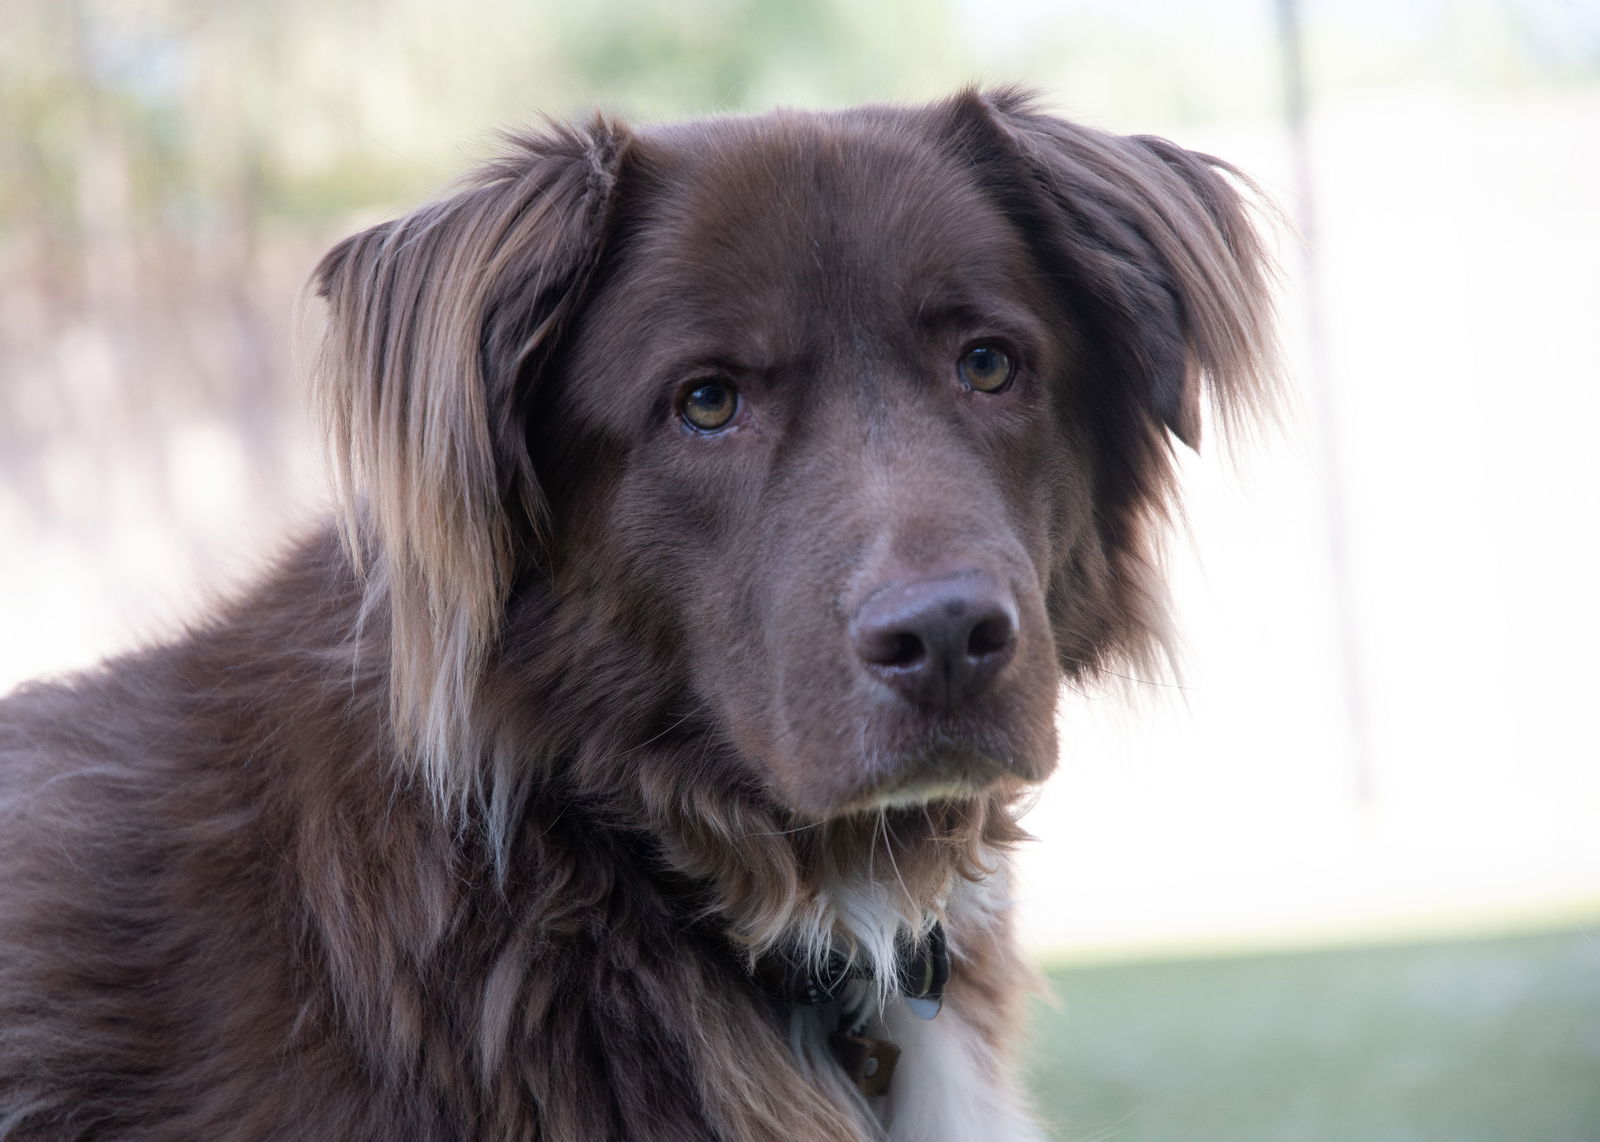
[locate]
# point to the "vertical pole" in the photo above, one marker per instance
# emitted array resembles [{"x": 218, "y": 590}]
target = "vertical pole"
[{"x": 1324, "y": 406}]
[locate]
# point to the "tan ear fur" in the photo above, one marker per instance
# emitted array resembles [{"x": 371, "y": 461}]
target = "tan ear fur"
[{"x": 435, "y": 322}]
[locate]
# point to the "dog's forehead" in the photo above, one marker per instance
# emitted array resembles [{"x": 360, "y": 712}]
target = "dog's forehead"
[{"x": 765, "y": 222}]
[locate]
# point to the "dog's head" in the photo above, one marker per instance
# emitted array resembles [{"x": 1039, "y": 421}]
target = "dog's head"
[{"x": 839, "y": 435}]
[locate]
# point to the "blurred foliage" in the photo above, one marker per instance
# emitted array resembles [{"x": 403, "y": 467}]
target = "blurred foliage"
[{"x": 188, "y": 116}]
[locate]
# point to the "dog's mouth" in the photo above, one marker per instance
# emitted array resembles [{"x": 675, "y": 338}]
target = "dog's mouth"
[{"x": 942, "y": 772}]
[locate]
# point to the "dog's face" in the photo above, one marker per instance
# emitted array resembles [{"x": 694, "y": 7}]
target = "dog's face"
[
  {"x": 853, "y": 425},
  {"x": 824, "y": 405}
]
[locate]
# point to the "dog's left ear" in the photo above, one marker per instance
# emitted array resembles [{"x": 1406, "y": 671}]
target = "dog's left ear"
[
  {"x": 437, "y": 323},
  {"x": 1152, "y": 245}
]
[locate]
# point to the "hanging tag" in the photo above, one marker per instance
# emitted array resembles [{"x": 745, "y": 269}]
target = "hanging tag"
[{"x": 869, "y": 1063}]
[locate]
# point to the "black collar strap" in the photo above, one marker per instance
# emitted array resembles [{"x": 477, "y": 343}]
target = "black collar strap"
[{"x": 923, "y": 968}]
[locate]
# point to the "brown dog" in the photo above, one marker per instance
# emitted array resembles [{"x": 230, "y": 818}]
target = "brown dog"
[{"x": 724, "y": 503}]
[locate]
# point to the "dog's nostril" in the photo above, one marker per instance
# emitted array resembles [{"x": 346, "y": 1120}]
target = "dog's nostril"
[
  {"x": 890, "y": 646},
  {"x": 905, "y": 649},
  {"x": 991, "y": 635}
]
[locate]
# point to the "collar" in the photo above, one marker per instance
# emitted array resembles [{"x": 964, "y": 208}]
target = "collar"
[{"x": 922, "y": 968}]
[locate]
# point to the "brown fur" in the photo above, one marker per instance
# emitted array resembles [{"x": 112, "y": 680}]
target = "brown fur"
[{"x": 471, "y": 819}]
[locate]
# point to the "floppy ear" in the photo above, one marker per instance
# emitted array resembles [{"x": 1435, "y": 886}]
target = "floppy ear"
[
  {"x": 438, "y": 322},
  {"x": 1155, "y": 250}
]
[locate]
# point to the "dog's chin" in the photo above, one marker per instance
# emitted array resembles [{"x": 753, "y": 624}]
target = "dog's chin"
[{"x": 945, "y": 775}]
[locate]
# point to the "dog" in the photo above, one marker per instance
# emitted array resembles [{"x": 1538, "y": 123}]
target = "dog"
[{"x": 639, "y": 752}]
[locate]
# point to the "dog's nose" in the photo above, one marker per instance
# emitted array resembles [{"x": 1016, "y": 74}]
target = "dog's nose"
[{"x": 938, "y": 641}]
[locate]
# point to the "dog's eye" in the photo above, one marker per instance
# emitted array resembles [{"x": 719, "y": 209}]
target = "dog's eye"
[
  {"x": 709, "y": 406},
  {"x": 985, "y": 368}
]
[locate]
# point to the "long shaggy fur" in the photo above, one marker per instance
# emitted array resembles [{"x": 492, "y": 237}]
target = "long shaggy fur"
[{"x": 474, "y": 817}]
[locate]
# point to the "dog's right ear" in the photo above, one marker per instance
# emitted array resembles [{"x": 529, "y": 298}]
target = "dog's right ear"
[{"x": 437, "y": 325}]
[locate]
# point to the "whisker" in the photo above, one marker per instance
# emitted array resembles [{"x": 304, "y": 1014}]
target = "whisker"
[
  {"x": 657, "y": 737},
  {"x": 786, "y": 832},
  {"x": 1128, "y": 677},
  {"x": 888, "y": 844}
]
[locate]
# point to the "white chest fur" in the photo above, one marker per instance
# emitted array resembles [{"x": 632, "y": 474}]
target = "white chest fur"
[{"x": 949, "y": 1085}]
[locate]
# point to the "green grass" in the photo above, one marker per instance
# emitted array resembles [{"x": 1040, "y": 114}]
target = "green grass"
[{"x": 1485, "y": 1041}]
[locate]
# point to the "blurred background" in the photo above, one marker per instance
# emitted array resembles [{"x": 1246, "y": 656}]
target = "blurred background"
[{"x": 1341, "y": 880}]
